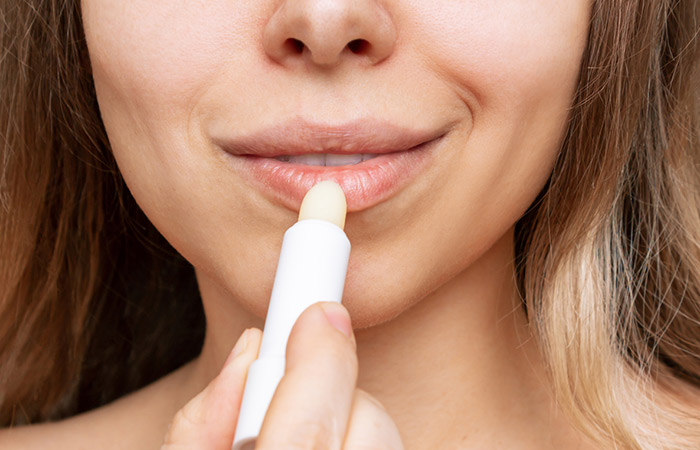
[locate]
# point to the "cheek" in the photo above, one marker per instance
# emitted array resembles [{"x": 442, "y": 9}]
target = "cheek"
[
  {"x": 517, "y": 71},
  {"x": 152, "y": 63},
  {"x": 505, "y": 51},
  {"x": 157, "y": 54},
  {"x": 516, "y": 64},
  {"x": 147, "y": 78},
  {"x": 519, "y": 62}
]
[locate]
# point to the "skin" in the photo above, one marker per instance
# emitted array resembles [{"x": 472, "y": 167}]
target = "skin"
[{"x": 440, "y": 338}]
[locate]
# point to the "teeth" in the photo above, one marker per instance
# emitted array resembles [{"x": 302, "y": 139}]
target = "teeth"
[
  {"x": 326, "y": 159},
  {"x": 311, "y": 159},
  {"x": 342, "y": 160}
]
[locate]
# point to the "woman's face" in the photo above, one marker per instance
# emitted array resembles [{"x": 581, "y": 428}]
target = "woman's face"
[{"x": 187, "y": 88}]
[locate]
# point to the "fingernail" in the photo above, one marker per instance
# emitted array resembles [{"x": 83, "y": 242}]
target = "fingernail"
[
  {"x": 239, "y": 348},
  {"x": 338, "y": 317}
]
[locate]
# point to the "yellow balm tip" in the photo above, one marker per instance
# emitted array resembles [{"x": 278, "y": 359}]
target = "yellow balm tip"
[{"x": 324, "y": 201}]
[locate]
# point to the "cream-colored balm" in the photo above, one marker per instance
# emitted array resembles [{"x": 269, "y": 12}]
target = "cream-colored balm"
[
  {"x": 324, "y": 201},
  {"x": 311, "y": 268}
]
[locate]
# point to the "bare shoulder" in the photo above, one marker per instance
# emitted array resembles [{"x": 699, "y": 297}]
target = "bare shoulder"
[
  {"x": 138, "y": 420},
  {"x": 41, "y": 436}
]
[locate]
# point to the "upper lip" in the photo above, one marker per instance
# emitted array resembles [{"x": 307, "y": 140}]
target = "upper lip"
[{"x": 299, "y": 137}]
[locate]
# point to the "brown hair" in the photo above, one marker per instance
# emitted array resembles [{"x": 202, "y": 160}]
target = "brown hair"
[
  {"x": 88, "y": 288},
  {"x": 608, "y": 255}
]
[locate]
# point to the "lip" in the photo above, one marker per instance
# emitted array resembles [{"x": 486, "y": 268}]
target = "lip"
[{"x": 403, "y": 153}]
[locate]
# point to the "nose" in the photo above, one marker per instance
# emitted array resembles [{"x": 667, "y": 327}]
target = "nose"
[{"x": 326, "y": 32}]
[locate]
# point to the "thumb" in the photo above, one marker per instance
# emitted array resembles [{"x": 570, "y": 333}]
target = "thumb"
[{"x": 208, "y": 421}]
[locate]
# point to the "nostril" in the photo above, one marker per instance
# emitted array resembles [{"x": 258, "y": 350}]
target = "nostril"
[
  {"x": 294, "y": 45},
  {"x": 358, "y": 46}
]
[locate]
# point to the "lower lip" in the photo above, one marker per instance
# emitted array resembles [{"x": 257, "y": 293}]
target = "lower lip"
[{"x": 365, "y": 184}]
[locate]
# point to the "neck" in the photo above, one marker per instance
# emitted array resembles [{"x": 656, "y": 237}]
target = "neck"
[
  {"x": 457, "y": 367},
  {"x": 461, "y": 361}
]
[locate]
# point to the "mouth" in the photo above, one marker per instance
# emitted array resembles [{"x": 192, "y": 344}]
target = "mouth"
[{"x": 371, "y": 160}]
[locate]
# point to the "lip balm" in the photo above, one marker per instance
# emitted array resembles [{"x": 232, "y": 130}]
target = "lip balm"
[{"x": 311, "y": 268}]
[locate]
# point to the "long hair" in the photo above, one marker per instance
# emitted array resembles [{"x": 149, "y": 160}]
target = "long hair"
[
  {"x": 608, "y": 256},
  {"x": 88, "y": 288}
]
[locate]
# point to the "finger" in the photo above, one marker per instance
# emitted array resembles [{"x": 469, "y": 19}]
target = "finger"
[
  {"x": 208, "y": 420},
  {"x": 370, "y": 426},
  {"x": 311, "y": 406}
]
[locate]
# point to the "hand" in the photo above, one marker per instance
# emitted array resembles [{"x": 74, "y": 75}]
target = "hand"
[{"x": 316, "y": 405}]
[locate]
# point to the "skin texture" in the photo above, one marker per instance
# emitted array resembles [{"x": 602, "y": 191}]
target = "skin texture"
[
  {"x": 441, "y": 340},
  {"x": 168, "y": 78}
]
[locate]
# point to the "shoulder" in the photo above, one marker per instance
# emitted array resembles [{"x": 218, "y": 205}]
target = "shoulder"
[
  {"x": 86, "y": 431},
  {"x": 138, "y": 420},
  {"x": 42, "y": 436}
]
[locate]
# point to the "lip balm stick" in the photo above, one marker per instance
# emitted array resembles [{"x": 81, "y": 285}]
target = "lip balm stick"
[{"x": 311, "y": 268}]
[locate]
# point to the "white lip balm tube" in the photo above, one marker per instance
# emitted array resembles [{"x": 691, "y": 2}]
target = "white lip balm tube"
[{"x": 311, "y": 268}]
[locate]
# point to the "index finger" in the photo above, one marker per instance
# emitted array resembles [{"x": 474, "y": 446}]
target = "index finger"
[{"x": 207, "y": 421}]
